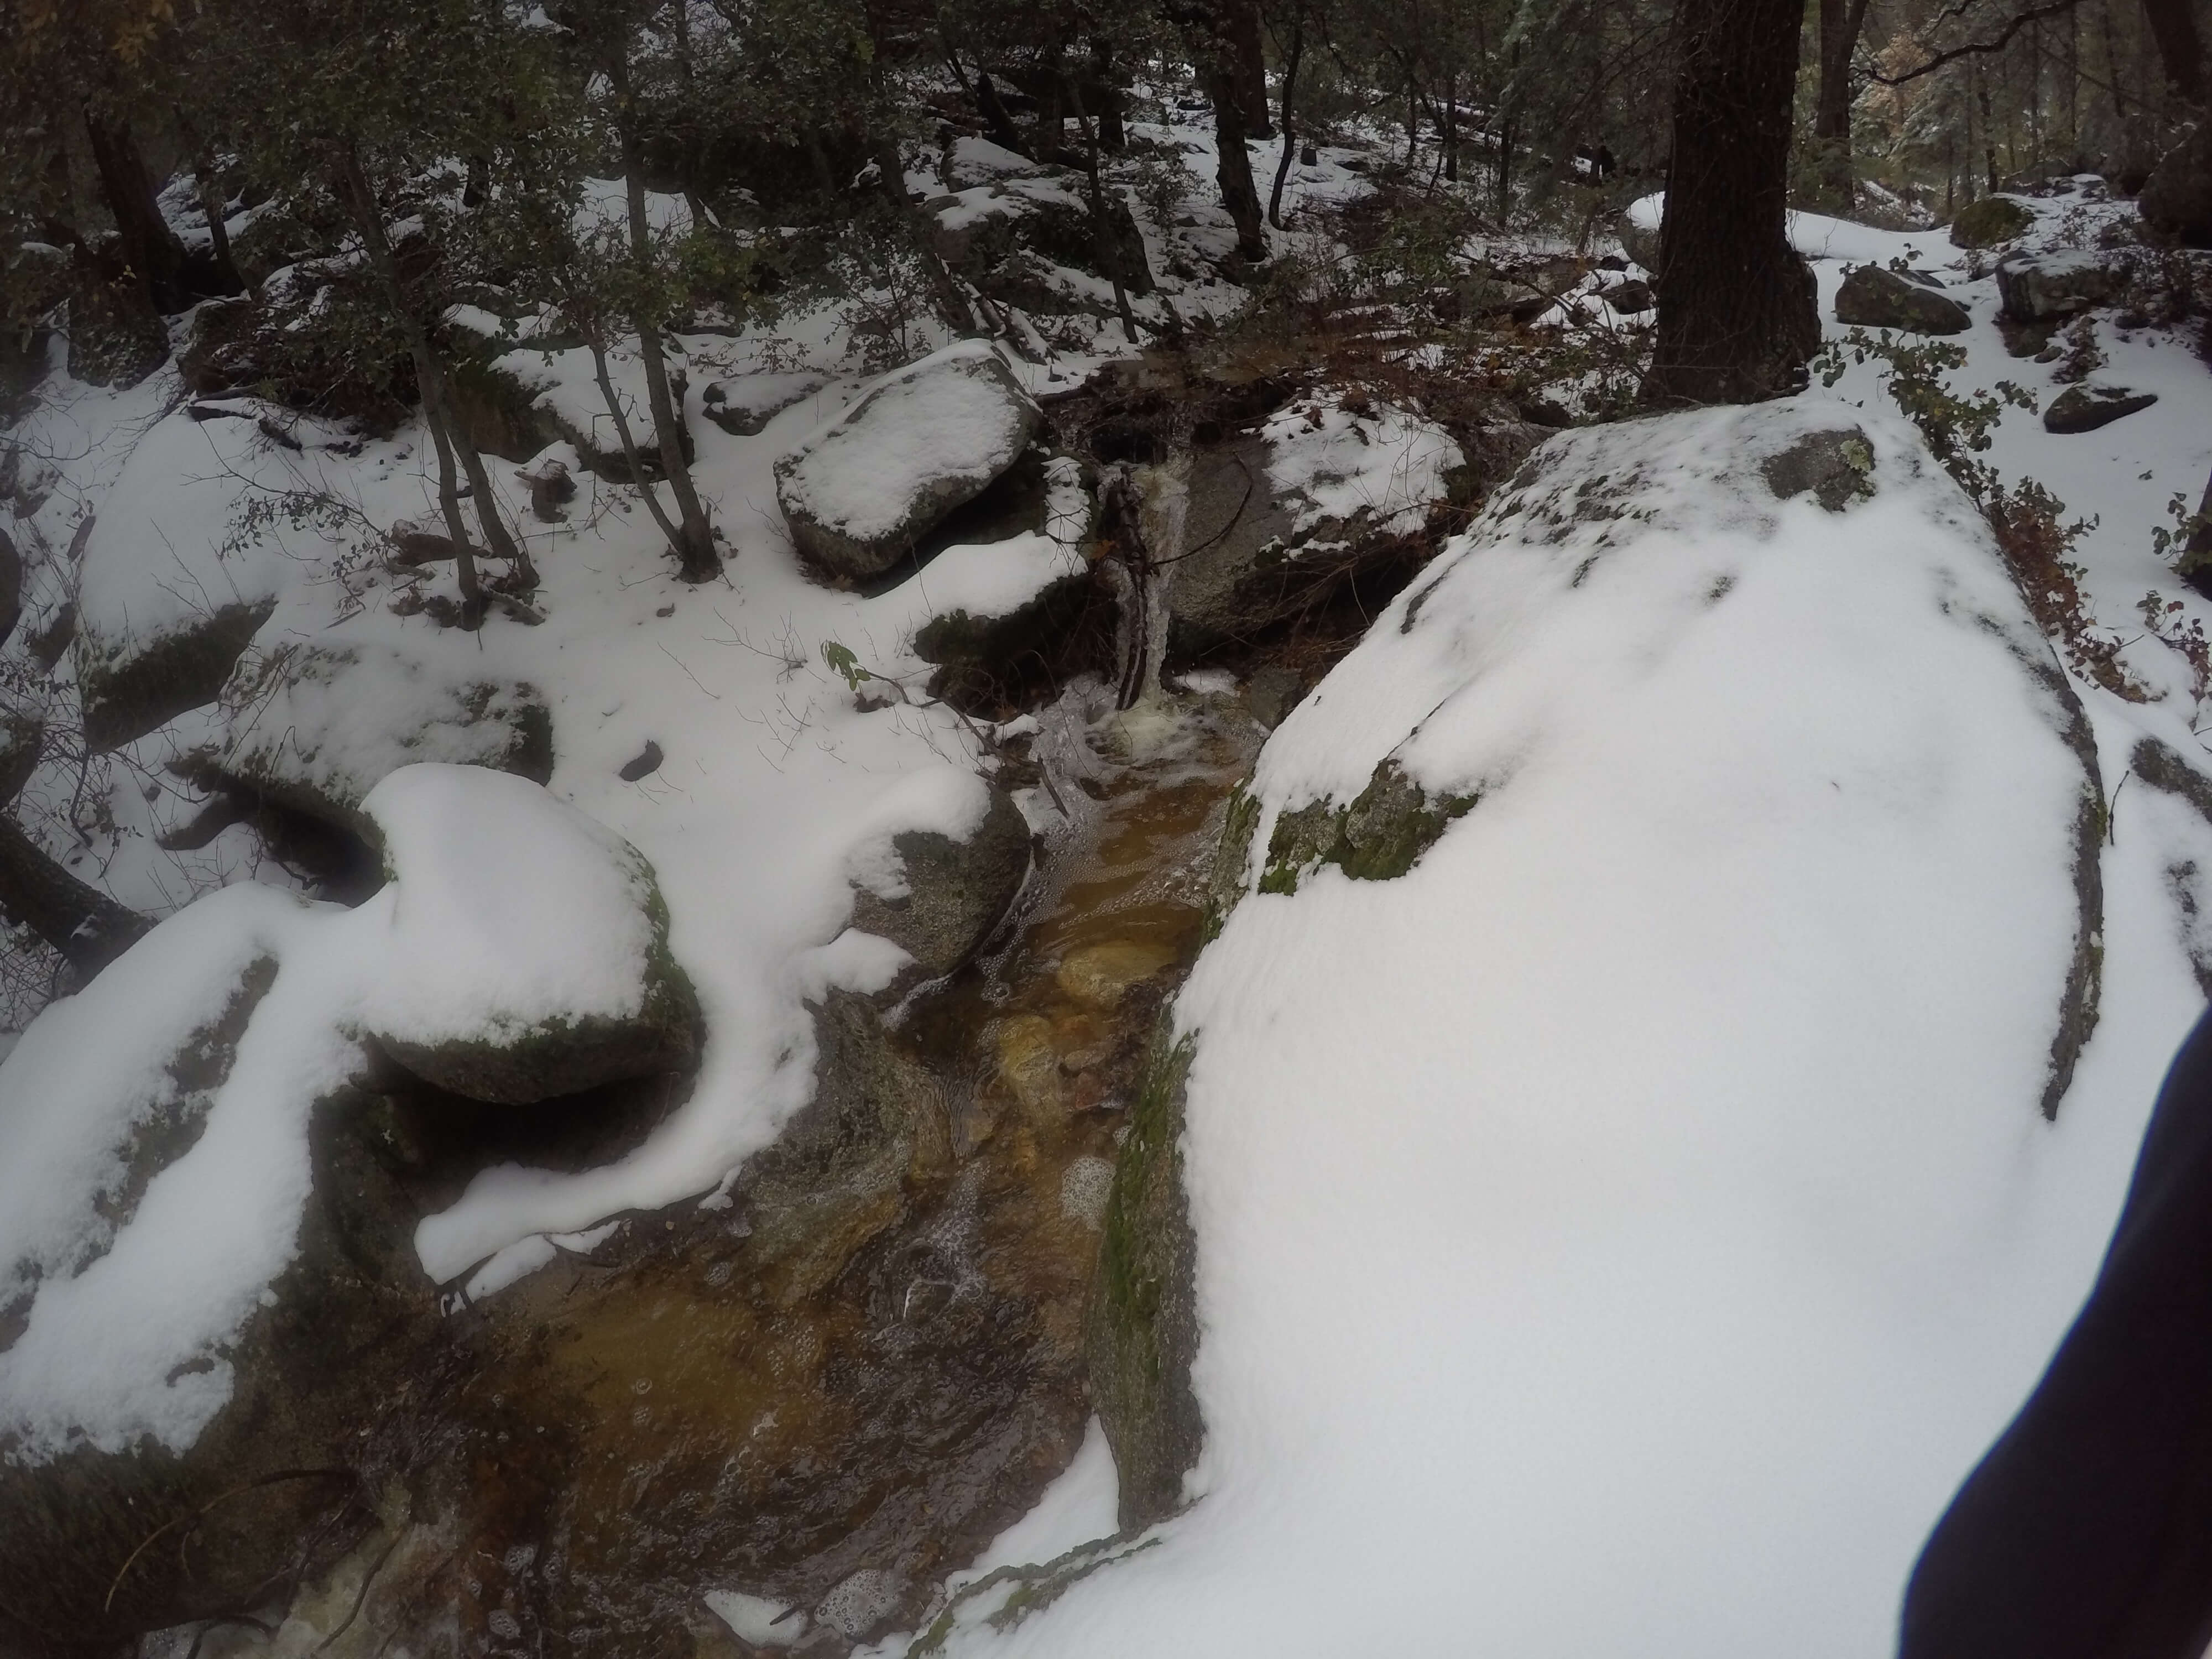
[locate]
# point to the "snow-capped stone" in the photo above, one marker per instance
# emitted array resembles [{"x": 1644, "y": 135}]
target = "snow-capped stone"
[
  {"x": 525, "y": 950},
  {"x": 926, "y": 439},
  {"x": 318, "y": 726},
  {"x": 2086, "y": 408},
  {"x": 1873, "y": 297},
  {"x": 1500, "y": 1150},
  {"x": 2038, "y": 286}
]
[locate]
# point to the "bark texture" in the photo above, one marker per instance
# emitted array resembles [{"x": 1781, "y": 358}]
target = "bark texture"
[
  {"x": 87, "y": 926},
  {"x": 1736, "y": 316}
]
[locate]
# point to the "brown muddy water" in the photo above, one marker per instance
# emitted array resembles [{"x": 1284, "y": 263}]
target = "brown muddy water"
[{"x": 836, "y": 1390}]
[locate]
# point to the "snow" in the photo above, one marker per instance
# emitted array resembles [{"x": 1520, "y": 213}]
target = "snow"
[
  {"x": 463, "y": 942},
  {"x": 342, "y": 719},
  {"x": 1648, "y": 1190},
  {"x": 950, "y": 416},
  {"x": 471, "y": 946},
  {"x": 159, "y": 560},
  {"x": 1387, "y": 462},
  {"x": 130, "y": 1343}
]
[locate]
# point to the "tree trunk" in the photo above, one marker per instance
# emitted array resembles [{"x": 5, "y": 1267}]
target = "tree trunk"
[
  {"x": 87, "y": 926},
  {"x": 1840, "y": 23},
  {"x": 695, "y": 556},
  {"x": 1736, "y": 316},
  {"x": 1004, "y": 132},
  {"x": 696, "y": 559},
  {"x": 156, "y": 256},
  {"x": 1248, "y": 64},
  {"x": 2181, "y": 52},
  {"x": 1234, "y": 175},
  {"x": 355, "y": 191},
  {"x": 1289, "y": 133}
]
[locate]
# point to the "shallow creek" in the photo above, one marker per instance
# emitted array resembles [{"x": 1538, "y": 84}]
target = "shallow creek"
[{"x": 834, "y": 1392}]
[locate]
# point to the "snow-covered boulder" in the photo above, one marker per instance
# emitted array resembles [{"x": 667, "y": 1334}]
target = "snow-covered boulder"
[
  {"x": 926, "y": 439},
  {"x": 1874, "y": 298},
  {"x": 1613, "y": 1110},
  {"x": 937, "y": 897},
  {"x": 1276, "y": 519},
  {"x": 316, "y": 726},
  {"x": 2037, "y": 287},
  {"x": 173, "y": 583},
  {"x": 524, "y": 948},
  {"x": 151, "y": 1186},
  {"x": 745, "y": 403}
]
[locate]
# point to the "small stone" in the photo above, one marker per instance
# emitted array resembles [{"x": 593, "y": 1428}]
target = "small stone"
[
  {"x": 646, "y": 762},
  {"x": 1100, "y": 975},
  {"x": 2086, "y": 408}
]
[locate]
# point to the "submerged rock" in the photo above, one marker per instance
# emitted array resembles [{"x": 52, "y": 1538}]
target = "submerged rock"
[{"x": 924, "y": 441}]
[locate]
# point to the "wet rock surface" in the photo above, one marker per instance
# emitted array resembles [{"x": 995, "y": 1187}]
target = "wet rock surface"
[
  {"x": 826, "y": 1389},
  {"x": 956, "y": 890}
]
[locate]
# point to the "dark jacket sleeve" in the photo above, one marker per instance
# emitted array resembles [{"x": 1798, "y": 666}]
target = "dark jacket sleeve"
[{"x": 2086, "y": 1532}]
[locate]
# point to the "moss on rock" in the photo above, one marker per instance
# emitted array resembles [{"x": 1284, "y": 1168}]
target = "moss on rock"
[
  {"x": 1141, "y": 1326},
  {"x": 1378, "y": 836}
]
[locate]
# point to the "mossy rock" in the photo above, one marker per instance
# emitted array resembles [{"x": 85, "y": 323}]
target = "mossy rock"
[
  {"x": 1381, "y": 834},
  {"x": 1141, "y": 1324},
  {"x": 1992, "y": 220},
  {"x": 103, "y": 1545}
]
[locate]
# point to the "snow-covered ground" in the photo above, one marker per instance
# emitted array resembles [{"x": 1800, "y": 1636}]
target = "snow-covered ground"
[{"x": 1620, "y": 1232}]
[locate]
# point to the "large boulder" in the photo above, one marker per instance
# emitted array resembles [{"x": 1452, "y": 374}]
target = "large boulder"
[
  {"x": 1393, "y": 1089},
  {"x": 924, "y": 441},
  {"x": 315, "y": 727},
  {"x": 148, "y": 1394},
  {"x": 2037, "y": 287},
  {"x": 1327, "y": 491},
  {"x": 2177, "y": 197},
  {"x": 527, "y": 952},
  {"x": 1875, "y": 298}
]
